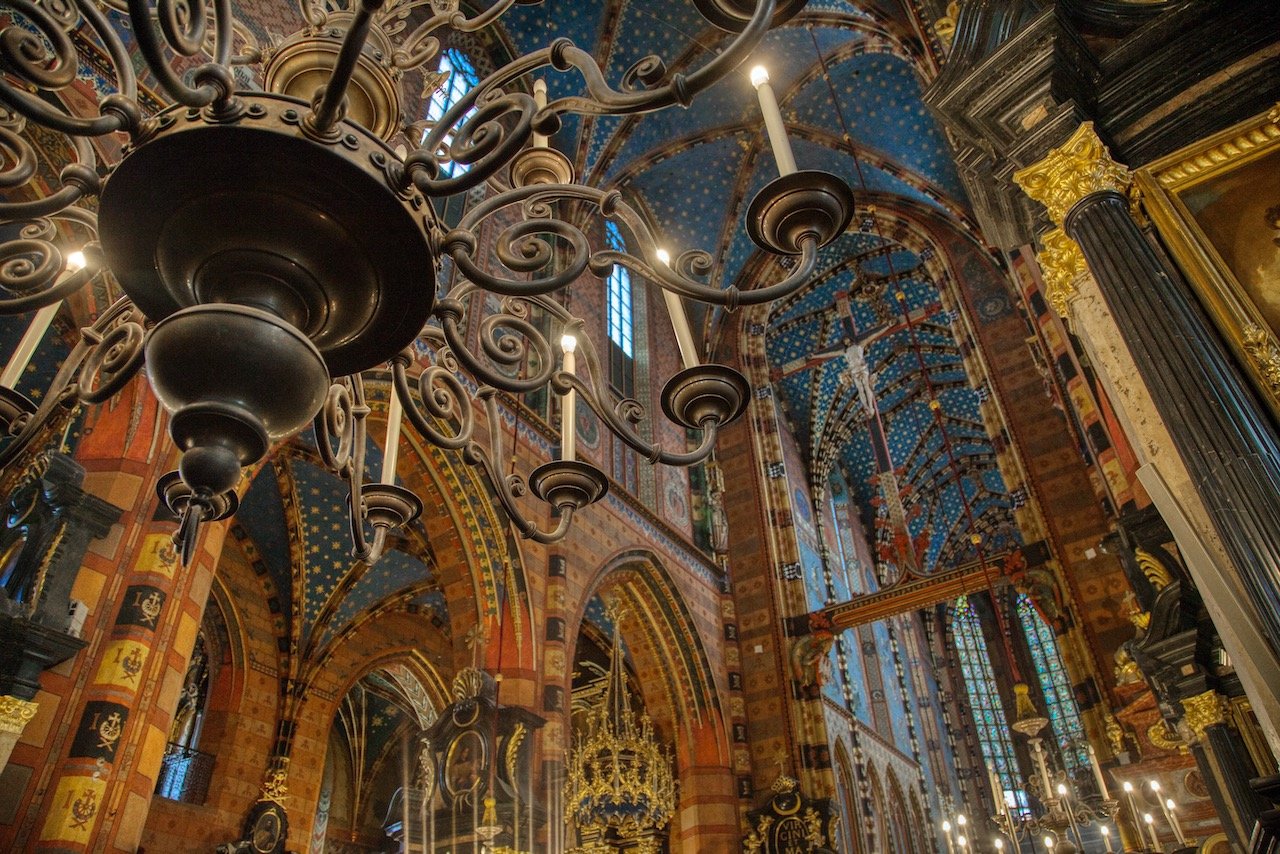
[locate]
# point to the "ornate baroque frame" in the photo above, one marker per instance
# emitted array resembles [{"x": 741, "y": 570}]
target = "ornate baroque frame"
[{"x": 1170, "y": 188}]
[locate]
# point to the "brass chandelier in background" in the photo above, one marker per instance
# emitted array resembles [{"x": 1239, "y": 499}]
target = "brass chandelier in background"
[
  {"x": 273, "y": 245},
  {"x": 619, "y": 786}
]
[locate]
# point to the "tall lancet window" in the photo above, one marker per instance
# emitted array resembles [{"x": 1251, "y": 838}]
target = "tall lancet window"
[
  {"x": 1064, "y": 715},
  {"x": 984, "y": 699}
]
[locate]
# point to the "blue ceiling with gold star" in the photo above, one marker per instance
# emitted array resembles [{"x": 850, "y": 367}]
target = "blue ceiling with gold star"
[{"x": 848, "y": 81}]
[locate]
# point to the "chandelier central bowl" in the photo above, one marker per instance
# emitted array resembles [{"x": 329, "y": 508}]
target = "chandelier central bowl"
[{"x": 253, "y": 208}]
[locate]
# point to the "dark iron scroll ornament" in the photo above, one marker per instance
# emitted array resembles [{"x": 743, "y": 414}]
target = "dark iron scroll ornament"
[{"x": 272, "y": 245}]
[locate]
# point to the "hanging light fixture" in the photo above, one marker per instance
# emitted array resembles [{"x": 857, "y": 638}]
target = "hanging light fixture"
[
  {"x": 272, "y": 245},
  {"x": 619, "y": 780}
]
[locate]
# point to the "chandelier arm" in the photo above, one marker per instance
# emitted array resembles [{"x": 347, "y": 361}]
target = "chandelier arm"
[
  {"x": 509, "y": 349},
  {"x": 110, "y": 349},
  {"x": 520, "y": 249},
  {"x": 602, "y": 99},
  {"x": 336, "y": 418},
  {"x": 126, "y": 78},
  {"x": 219, "y": 83},
  {"x": 443, "y": 397},
  {"x": 481, "y": 142},
  {"x": 23, "y": 55},
  {"x": 78, "y": 179},
  {"x": 411, "y": 56},
  {"x": 511, "y": 487}
]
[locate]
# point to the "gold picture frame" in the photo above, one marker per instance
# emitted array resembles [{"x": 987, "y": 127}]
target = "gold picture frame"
[{"x": 1216, "y": 206}]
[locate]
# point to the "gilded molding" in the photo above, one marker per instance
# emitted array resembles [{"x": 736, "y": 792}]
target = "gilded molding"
[
  {"x": 15, "y": 714},
  {"x": 1078, "y": 168},
  {"x": 1223, "y": 154},
  {"x": 1155, "y": 571},
  {"x": 1203, "y": 711},
  {"x": 1062, "y": 263}
]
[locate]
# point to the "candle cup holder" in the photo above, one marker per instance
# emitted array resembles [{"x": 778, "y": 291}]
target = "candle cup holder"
[
  {"x": 703, "y": 394},
  {"x": 568, "y": 484},
  {"x": 389, "y": 507},
  {"x": 540, "y": 166},
  {"x": 810, "y": 204},
  {"x": 193, "y": 508}
]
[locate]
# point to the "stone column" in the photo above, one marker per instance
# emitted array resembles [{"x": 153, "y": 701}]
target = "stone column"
[{"x": 1220, "y": 429}]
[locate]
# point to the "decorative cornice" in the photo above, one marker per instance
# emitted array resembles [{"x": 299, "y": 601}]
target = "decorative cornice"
[
  {"x": 1062, "y": 264},
  {"x": 1078, "y": 168},
  {"x": 15, "y": 714},
  {"x": 1203, "y": 711}
]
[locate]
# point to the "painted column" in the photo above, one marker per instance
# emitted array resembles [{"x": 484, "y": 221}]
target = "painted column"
[{"x": 1220, "y": 429}]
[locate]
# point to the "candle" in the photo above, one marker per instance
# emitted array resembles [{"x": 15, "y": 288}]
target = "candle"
[
  {"x": 1170, "y": 813},
  {"x": 540, "y": 99},
  {"x": 1106, "y": 838},
  {"x": 1098, "y": 776},
  {"x": 1045, "y": 786},
  {"x": 40, "y": 324},
  {"x": 1151, "y": 829},
  {"x": 946, "y": 830},
  {"x": 997, "y": 791},
  {"x": 680, "y": 323},
  {"x": 568, "y": 416},
  {"x": 391, "y": 448},
  {"x": 773, "y": 121}
]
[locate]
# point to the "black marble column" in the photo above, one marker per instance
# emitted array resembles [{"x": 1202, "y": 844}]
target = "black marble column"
[{"x": 1227, "y": 440}]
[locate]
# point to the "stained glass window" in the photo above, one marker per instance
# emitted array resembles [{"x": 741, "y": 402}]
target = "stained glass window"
[
  {"x": 459, "y": 77},
  {"x": 984, "y": 699},
  {"x": 618, "y": 319},
  {"x": 1064, "y": 715}
]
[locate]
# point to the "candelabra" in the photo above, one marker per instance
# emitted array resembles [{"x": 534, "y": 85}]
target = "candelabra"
[{"x": 272, "y": 244}]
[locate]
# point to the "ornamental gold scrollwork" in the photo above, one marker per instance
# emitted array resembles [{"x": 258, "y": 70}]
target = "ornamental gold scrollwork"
[
  {"x": 1155, "y": 571},
  {"x": 15, "y": 714},
  {"x": 1263, "y": 349},
  {"x": 1062, "y": 263},
  {"x": 275, "y": 784},
  {"x": 1165, "y": 737},
  {"x": 1078, "y": 168},
  {"x": 1203, "y": 711}
]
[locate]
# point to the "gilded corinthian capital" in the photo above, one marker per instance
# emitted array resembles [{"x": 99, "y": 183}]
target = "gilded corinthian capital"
[
  {"x": 1203, "y": 711},
  {"x": 1062, "y": 263},
  {"x": 15, "y": 714},
  {"x": 1078, "y": 168}
]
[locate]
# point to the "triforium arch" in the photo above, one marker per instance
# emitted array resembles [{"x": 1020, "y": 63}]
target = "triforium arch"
[{"x": 678, "y": 687}]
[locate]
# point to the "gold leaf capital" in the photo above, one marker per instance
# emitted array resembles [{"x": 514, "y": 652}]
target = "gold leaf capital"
[
  {"x": 1062, "y": 263},
  {"x": 1203, "y": 711},
  {"x": 15, "y": 714},
  {"x": 1079, "y": 167}
]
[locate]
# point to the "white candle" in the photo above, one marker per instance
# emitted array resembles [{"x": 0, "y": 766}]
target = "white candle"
[
  {"x": 568, "y": 415},
  {"x": 773, "y": 121},
  {"x": 540, "y": 99},
  {"x": 1106, "y": 838},
  {"x": 679, "y": 322},
  {"x": 27, "y": 347},
  {"x": 1045, "y": 785},
  {"x": 1151, "y": 829},
  {"x": 997, "y": 790},
  {"x": 1170, "y": 813},
  {"x": 40, "y": 324},
  {"x": 391, "y": 448},
  {"x": 1098, "y": 776}
]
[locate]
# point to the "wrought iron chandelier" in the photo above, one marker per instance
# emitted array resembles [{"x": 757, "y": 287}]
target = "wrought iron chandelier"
[{"x": 272, "y": 245}]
